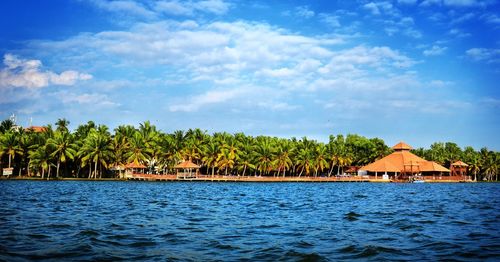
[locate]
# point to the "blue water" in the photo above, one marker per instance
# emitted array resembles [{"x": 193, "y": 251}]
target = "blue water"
[{"x": 197, "y": 221}]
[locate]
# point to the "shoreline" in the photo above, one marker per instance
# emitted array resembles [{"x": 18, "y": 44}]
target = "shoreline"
[{"x": 253, "y": 179}]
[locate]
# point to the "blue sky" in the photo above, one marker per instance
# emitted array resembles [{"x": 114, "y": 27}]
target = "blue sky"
[{"x": 421, "y": 71}]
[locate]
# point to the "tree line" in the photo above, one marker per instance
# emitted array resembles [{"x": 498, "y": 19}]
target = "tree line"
[{"x": 92, "y": 151}]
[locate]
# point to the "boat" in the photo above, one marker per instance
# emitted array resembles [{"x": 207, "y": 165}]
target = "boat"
[{"x": 417, "y": 179}]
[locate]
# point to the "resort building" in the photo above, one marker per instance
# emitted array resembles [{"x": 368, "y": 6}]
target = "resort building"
[
  {"x": 187, "y": 170},
  {"x": 402, "y": 164}
]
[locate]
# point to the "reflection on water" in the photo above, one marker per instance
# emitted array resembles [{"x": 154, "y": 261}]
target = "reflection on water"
[{"x": 71, "y": 220}]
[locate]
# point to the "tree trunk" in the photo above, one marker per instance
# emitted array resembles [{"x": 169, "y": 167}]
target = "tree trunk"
[
  {"x": 43, "y": 173},
  {"x": 57, "y": 170},
  {"x": 90, "y": 170},
  {"x": 95, "y": 170},
  {"x": 302, "y": 170},
  {"x": 10, "y": 157},
  {"x": 213, "y": 171},
  {"x": 48, "y": 174},
  {"x": 244, "y": 170},
  {"x": 331, "y": 170}
]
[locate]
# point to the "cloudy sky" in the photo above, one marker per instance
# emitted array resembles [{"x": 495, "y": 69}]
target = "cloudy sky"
[{"x": 415, "y": 70}]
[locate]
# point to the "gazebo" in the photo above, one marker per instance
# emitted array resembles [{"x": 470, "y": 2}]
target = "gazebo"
[
  {"x": 459, "y": 168},
  {"x": 403, "y": 163},
  {"x": 134, "y": 168},
  {"x": 187, "y": 169}
]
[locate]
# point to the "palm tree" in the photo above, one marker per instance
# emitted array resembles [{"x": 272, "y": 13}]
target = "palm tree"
[
  {"x": 228, "y": 155},
  {"x": 40, "y": 159},
  {"x": 63, "y": 145},
  {"x": 62, "y": 125},
  {"x": 210, "y": 154},
  {"x": 474, "y": 166},
  {"x": 97, "y": 149},
  {"x": 320, "y": 159},
  {"x": 283, "y": 160},
  {"x": 10, "y": 145},
  {"x": 120, "y": 147},
  {"x": 6, "y": 125},
  {"x": 304, "y": 161},
  {"x": 264, "y": 155},
  {"x": 139, "y": 152}
]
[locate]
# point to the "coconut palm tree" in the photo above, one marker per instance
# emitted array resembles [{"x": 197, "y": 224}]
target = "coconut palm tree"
[
  {"x": 264, "y": 155},
  {"x": 283, "y": 160},
  {"x": 6, "y": 125},
  {"x": 139, "y": 152},
  {"x": 41, "y": 159},
  {"x": 62, "y": 125},
  {"x": 304, "y": 161},
  {"x": 211, "y": 152},
  {"x": 97, "y": 149},
  {"x": 10, "y": 146},
  {"x": 64, "y": 148},
  {"x": 320, "y": 158}
]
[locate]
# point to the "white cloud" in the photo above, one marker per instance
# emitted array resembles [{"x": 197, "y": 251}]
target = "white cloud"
[
  {"x": 189, "y": 8},
  {"x": 431, "y": 2},
  {"x": 27, "y": 73},
  {"x": 304, "y": 11},
  {"x": 124, "y": 6},
  {"x": 440, "y": 83},
  {"x": 211, "y": 97},
  {"x": 491, "y": 18},
  {"x": 435, "y": 50},
  {"x": 373, "y": 8},
  {"x": 463, "y": 3},
  {"x": 379, "y": 8},
  {"x": 455, "y": 3},
  {"x": 458, "y": 33},
  {"x": 484, "y": 55},
  {"x": 407, "y": 2},
  {"x": 330, "y": 20}
]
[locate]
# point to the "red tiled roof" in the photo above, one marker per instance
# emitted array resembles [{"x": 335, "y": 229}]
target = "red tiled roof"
[{"x": 36, "y": 129}]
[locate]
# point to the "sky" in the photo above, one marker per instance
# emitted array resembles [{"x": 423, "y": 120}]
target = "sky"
[{"x": 419, "y": 71}]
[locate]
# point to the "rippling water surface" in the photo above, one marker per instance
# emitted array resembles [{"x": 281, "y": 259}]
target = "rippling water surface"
[{"x": 72, "y": 220}]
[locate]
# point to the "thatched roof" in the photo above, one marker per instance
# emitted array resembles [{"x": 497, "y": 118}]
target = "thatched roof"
[
  {"x": 403, "y": 161},
  {"x": 459, "y": 163},
  {"x": 186, "y": 164},
  {"x": 402, "y": 146},
  {"x": 134, "y": 165}
]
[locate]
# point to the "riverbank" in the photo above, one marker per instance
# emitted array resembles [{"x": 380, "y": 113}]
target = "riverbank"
[{"x": 205, "y": 178}]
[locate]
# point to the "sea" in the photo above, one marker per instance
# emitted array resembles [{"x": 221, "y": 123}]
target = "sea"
[{"x": 222, "y": 221}]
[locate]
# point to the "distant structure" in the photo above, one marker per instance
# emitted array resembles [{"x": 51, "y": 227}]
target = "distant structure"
[
  {"x": 187, "y": 170},
  {"x": 402, "y": 164},
  {"x": 459, "y": 168}
]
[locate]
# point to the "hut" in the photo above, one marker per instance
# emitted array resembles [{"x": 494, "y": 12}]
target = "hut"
[
  {"x": 403, "y": 164},
  {"x": 134, "y": 168},
  {"x": 459, "y": 168},
  {"x": 187, "y": 169}
]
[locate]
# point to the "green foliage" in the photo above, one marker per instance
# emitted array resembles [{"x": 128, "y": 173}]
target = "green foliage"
[{"x": 91, "y": 151}]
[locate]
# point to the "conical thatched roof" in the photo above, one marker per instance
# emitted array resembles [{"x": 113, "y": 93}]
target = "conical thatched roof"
[
  {"x": 186, "y": 164},
  {"x": 401, "y": 160},
  {"x": 434, "y": 167},
  {"x": 459, "y": 163},
  {"x": 402, "y": 146},
  {"x": 134, "y": 165}
]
